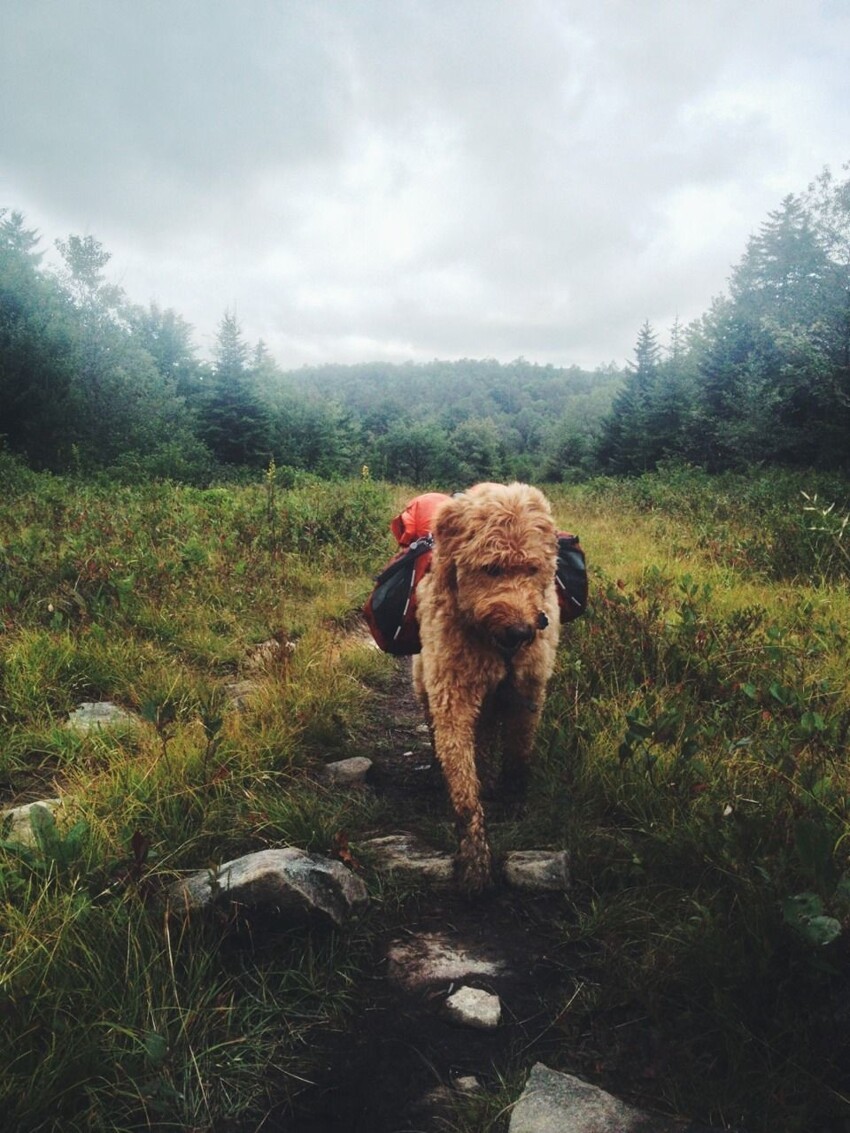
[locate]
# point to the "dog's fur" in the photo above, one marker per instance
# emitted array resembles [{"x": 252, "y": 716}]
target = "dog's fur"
[{"x": 489, "y": 623}]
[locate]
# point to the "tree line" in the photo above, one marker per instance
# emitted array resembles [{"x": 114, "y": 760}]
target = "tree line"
[
  {"x": 88, "y": 380},
  {"x": 764, "y": 376}
]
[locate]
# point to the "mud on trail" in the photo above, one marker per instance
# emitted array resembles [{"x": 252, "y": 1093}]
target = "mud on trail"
[{"x": 402, "y": 1065}]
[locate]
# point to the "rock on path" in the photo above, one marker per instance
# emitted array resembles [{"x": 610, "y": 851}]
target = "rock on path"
[
  {"x": 553, "y": 1102},
  {"x": 536, "y": 871},
  {"x": 473, "y": 1007},
  {"x": 288, "y": 881},
  {"x": 350, "y": 772}
]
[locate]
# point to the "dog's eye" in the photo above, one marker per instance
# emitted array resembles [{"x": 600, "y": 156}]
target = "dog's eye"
[{"x": 493, "y": 569}]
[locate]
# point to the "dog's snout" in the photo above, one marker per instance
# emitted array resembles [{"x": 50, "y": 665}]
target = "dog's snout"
[{"x": 516, "y": 635}]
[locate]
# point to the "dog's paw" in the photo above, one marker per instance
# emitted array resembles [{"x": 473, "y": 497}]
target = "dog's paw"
[{"x": 474, "y": 869}]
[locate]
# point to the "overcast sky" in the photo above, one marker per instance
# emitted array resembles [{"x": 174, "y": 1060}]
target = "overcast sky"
[{"x": 411, "y": 179}]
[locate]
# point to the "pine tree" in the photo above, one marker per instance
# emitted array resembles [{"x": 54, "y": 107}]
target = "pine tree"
[
  {"x": 233, "y": 423},
  {"x": 774, "y": 385},
  {"x": 625, "y": 444},
  {"x": 35, "y": 381}
]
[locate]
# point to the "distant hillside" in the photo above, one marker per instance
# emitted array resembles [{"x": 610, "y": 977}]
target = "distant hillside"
[
  {"x": 467, "y": 388},
  {"x": 89, "y": 380},
  {"x": 456, "y": 420}
]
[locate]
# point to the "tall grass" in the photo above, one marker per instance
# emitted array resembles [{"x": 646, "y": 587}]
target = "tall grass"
[
  {"x": 112, "y": 1017},
  {"x": 693, "y": 758}
]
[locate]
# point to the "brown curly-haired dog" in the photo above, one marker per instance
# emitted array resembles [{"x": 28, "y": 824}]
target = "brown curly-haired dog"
[{"x": 489, "y": 622}]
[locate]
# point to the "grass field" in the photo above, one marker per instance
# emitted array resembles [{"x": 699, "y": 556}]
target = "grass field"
[{"x": 693, "y": 758}]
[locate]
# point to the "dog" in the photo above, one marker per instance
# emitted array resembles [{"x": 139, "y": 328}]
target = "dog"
[{"x": 489, "y": 624}]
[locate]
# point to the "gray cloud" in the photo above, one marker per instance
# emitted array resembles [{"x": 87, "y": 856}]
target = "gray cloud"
[{"x": 401, "y": 179}]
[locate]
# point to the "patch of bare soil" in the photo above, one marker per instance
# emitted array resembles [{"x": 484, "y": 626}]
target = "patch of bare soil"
[
  {"x": 382, "y": 1075},
  {"x": 399, "y": 744}
]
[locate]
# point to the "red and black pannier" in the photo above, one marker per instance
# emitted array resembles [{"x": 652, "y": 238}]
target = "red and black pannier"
[
  {"x": 570, "y": 577},
  {"x": 390, "y": 610}
]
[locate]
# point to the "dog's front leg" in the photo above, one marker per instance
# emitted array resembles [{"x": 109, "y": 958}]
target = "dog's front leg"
[{"x": 454, "y": 726}]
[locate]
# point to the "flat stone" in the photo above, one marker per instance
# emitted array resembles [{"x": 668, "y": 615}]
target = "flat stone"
[
  {"x": 288, "y": 881},
  {"x": 347, "y": 772},
  {"x": 472, "y": 1007},
  {"x": 540, "y": 871},
  {"x": 404, "y": 853},
  {"x": 238, "y": 692},
  {"x": 467, "y": 1084},
  {"x": 553, "y": 1102},
  {"x": 433, "y": 958},
  {"x": 19, "y": 821},
  {"x": 100, "y": 715}
]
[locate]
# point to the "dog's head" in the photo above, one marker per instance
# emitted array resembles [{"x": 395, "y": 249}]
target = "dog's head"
[{"x": 495, "y": 549}]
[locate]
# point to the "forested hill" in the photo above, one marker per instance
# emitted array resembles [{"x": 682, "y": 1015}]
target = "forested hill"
[
  {"x": 89, "y": 380},
  {"x": 468, "y": 388},
  {"x": 467, "y": 418},
  {"x": 764, "y": 376}
]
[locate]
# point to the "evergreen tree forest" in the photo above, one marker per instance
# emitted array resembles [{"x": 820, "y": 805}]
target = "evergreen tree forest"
[
  {"x": 91, "y": 381},
  {"x": 764, "y": 376}
]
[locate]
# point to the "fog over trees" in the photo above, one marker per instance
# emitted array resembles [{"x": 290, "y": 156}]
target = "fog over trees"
[
  {"x": 89, "y": 380},
  {"x": 764, "y": 375}
]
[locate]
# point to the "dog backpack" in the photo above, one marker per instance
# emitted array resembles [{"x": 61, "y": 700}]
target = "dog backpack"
[
  {"x": 390, "y": 610},
  {"x": 570, "y": 577},
  {"x": 417, "y": 519}
]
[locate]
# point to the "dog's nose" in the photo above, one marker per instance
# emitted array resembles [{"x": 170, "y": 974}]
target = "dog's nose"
[{"x": 516, "y": 635}]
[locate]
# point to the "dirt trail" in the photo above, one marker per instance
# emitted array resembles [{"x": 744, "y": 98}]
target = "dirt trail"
[{"x": 401, "y": 1047}]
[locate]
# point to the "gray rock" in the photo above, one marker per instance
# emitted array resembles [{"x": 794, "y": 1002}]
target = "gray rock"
[
  {"x": 18, "y": 822},
  {"x": 405, "y": 854},
  {"x": 286, "y": 881},
  {"x": 538, "y": 870},
  {"x": 433, "y": 958},
  {"x": 100, "y": 715},
  {"x": 347, "y": 772},
  {"x": 238, "y": 692},
  {"x": 467, "y": 1084},
  {"x": 560, "y": 1103},
  {"x": 472, "y": 1007}
]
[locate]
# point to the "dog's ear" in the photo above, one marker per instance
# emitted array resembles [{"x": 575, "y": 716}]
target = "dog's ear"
[
  {"x": 450, "y": 521},
  {"x": 450, "y": 524}
]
